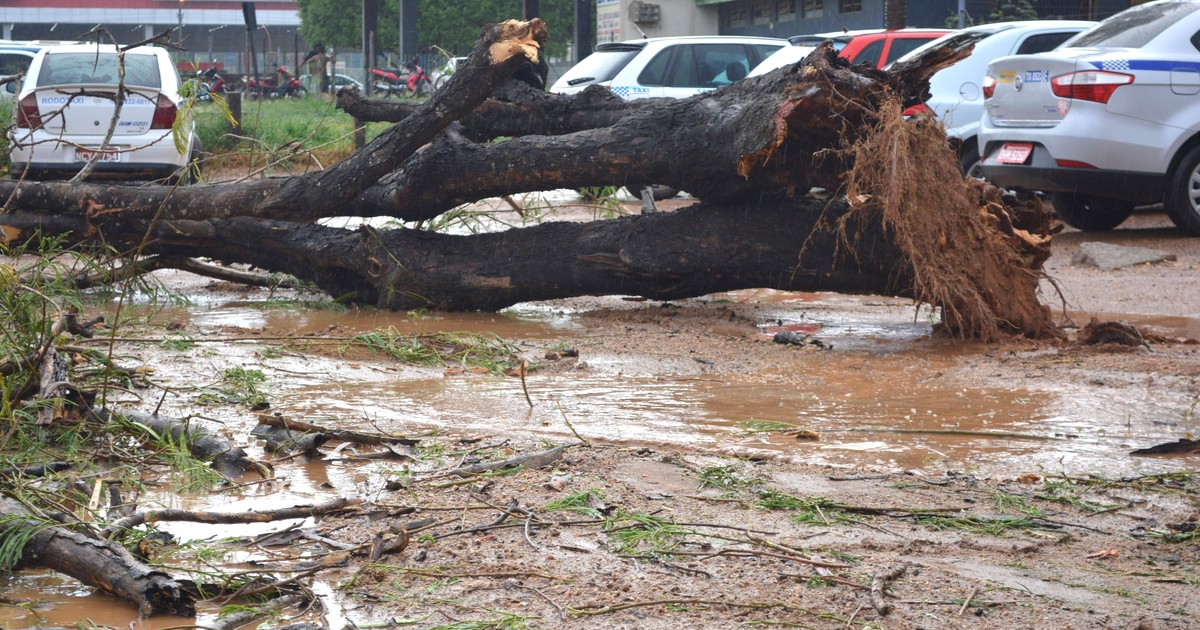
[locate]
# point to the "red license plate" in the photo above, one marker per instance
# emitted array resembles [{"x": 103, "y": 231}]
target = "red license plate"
[
  {"x": 1014, "y": 153},
  {"x": 83, "y": 155}
]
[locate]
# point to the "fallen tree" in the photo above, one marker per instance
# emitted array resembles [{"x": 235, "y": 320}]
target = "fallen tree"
[{"x": 909, "y": 225}]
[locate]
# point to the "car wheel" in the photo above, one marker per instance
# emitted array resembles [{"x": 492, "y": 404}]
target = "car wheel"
[
  {"x": 968, "y": 161},
  {"x": 1183, "y": 197},
  {"x": 659, "y": 191},
  {"x": 1090, "y": 214}
]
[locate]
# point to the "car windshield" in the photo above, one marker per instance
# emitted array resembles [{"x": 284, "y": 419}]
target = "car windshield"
[
  {"x": 90, "y": 67},
  {"x": 599, "y": 66},
  {"x": 1133, "y": 28}
]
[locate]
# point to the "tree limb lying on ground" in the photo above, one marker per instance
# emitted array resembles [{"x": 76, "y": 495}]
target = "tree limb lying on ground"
[{"x": 749, "y": 151}]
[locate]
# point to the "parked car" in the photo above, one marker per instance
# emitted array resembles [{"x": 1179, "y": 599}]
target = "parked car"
[
  {"x": 15, "y": 57},
  {"x": 1108, "y": 121},
  {"x": 66, "y": 105},
  {"x": 668, "y": 66},
  {"x": 442, "y": 75},
  {"x": 956, "y": 91},
  {"x": 877, "y": 47},
  {"x": 674, "y": 67}
]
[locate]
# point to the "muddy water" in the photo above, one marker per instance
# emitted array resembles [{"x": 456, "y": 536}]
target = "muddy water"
[{"x": 884, "y": 398}]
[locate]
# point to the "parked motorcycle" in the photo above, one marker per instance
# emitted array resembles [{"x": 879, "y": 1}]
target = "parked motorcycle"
[
  {"x": 411, "y": 80},
  {"x": 211, "y": 82},
  {"x": 283, "y": 84}
]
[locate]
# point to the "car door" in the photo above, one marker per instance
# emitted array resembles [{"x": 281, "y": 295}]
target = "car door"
[{"x": 687, "y": 69}]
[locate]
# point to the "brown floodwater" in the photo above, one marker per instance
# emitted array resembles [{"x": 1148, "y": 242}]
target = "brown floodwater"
[{"x": 882, "y": 399}]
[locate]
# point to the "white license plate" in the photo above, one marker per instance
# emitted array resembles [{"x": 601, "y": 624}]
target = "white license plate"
[
  {"x": 1014, "y": 153},
  {"x": 83, "y": 155}
]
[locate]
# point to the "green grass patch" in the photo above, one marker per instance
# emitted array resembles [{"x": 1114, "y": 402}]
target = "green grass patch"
[
  {"x": 300, "y": 131},
  {"x": 467, "y": 350},
  {"x": 578, "y": 502}
]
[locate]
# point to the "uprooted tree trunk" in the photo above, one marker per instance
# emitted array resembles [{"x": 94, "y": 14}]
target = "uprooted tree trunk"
[{"x": 909, "y": 225}]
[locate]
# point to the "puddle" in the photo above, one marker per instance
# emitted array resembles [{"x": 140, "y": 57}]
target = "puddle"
[
  {"x": 883, "y": 398},
  {"x": 878, "y": 398}
]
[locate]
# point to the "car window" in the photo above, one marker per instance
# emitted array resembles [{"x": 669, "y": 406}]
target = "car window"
[
  {"x": 903, "y": 45},
  {"x": 90, "y": 67},
  {"x": 762, "y": 51},
  {"x": 708, "y": 65},
  {"x": 1134, "y": 28},
  {"x": 599, "y": 66},
  {"x": 655, "y": 72},
  {"x": 1043, "y": 42},
  {"x": 14, "y": 63},
  {"x": 870, "y": 54}
]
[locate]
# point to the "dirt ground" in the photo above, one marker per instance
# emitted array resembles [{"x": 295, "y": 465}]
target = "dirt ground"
[
  {"x": 667, "y": 538},
  {"x": 626, "y": 532}
]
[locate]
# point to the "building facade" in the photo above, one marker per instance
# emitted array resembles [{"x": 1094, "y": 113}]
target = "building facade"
[
  {"x": 207, "y": 30},
  {"x": 784, "y": 18}
]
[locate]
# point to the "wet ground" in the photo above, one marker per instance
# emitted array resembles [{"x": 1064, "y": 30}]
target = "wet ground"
[{"x": 881, "y": 395}]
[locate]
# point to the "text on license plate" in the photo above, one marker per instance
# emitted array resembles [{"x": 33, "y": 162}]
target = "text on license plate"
[
  {"x": 83, "y": 155},
  {"x": 1014, "y": 153}
]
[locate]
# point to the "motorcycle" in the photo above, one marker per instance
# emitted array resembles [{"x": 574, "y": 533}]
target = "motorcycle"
[
  {"x": 411, "y": 80},
  {"x": 286, "y": 86},
  {"x": 211, "y": 82}
]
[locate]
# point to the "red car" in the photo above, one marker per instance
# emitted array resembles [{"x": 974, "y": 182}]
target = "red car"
[{"x": 877, "y": 47}]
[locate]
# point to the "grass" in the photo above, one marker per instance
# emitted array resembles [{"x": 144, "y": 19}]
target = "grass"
[
  {"x": 724, "y": 478},
  {"x": 239, "y": 385},
  {"x": 470, "y": 351},
  {"x": 637, "y": 531},
  {"x": 303, "y": 132},
  {"x": 578, "y": 502}
]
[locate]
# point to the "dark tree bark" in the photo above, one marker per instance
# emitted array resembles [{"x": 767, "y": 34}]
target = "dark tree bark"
[
  {"x": 100, "y": 564},
  {"x": 746, "y": 150}
]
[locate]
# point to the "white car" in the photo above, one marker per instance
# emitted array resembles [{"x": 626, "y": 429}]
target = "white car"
[
  {"x": 675, "y": 67},
  {"x": 1109, "y": 121},
  {"x": 956, "y": 93},
  {"x": 65, "y": 108}
]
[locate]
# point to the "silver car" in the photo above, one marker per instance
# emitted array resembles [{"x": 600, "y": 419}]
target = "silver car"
[
  {"x": 956, "y": 98},
  {"x": 1108, "y": 121}
]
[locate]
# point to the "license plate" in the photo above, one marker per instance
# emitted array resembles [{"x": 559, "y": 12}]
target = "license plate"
[
  {"x": 1014, "y": 153},
  {"x": 83, "y": 155}
]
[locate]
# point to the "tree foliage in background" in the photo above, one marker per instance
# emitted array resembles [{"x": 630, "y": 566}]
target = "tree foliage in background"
[
  {"x": 1014, "y": 10},
  {"x": 453, "y": 26}
]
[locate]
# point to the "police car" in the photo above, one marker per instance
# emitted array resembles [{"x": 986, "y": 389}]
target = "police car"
[
  {"x": 1108, "y": 121},
  {"x": 674, "y": 67}
]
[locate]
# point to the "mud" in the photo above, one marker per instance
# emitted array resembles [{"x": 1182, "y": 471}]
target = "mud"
[{"x": 894, "y": 417}]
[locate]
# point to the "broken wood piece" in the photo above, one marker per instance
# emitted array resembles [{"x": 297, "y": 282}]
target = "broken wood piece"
[
  {"x": 344, "y": 435},
  {"x": 281, "y": 440},
  {"x": 879, "y": 582},
  {"x": 35, "y": 471},
  {"x": 531, "y": 460},
  {"x": 251, "y": 516},
  {"x": 96, "y": 563},
  {"x": 226, "y": 459}
]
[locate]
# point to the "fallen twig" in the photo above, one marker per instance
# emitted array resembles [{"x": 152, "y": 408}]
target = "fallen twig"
[
  {"x": 224, "y": 518},
  {"x": 879, "y": 582},
  {"x": 967, "y": 602}
]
